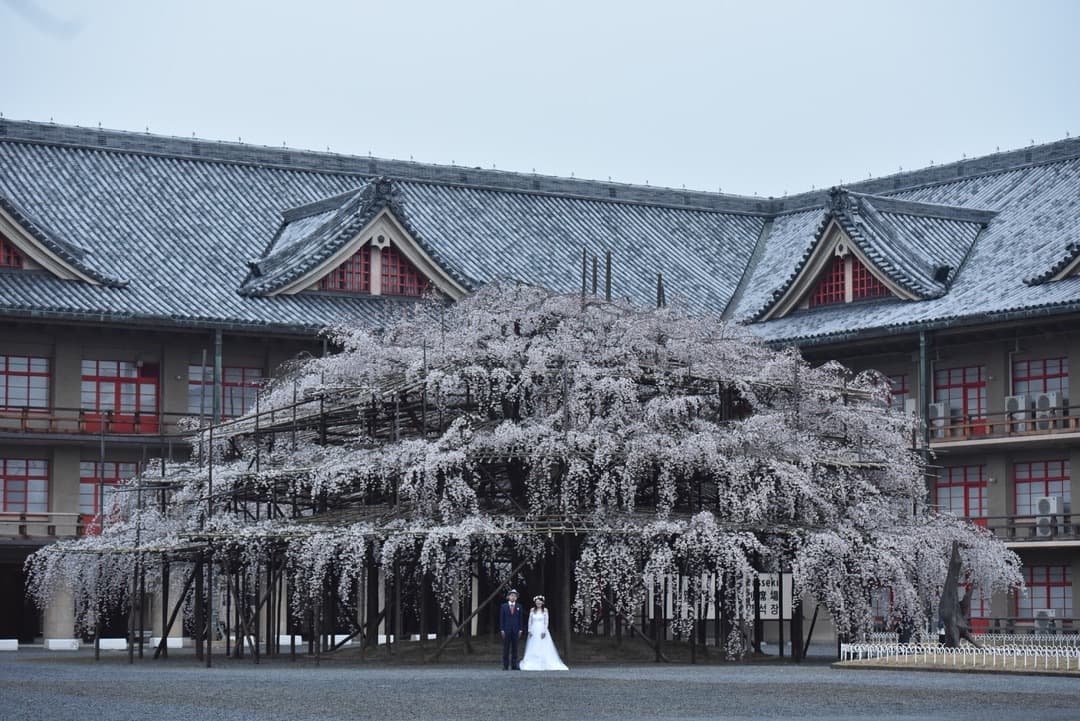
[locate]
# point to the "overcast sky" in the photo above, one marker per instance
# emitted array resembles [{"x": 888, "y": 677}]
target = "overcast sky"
[{"x": 751, "y": 97}]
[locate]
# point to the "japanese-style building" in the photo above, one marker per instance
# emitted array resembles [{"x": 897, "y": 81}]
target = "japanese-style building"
[{"x": 133, "y": 265}]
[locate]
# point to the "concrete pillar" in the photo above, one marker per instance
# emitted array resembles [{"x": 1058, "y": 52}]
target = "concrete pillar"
[{"x": 59, "y": 626}]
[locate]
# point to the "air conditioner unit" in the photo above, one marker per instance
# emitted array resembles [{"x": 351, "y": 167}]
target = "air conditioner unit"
[
  {"x": 1018, "y": 409},
  {"x": 1046, "y": 510},
  {"x": 1047, "y": 405},
  {"x": 939, "y": 417},
  {"x": 1048, "y": 506},
  {"x": 911, "y": 406}
]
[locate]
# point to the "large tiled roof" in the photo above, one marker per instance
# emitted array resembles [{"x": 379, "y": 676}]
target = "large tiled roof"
[
  {"x": 182, "y": 220},
  {"x": 193, "y": 232}
]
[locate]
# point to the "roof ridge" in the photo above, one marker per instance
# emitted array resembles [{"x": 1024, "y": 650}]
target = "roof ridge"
[
  {"x": 199, "y": 149},
  {"x": 941, "y": 211}
]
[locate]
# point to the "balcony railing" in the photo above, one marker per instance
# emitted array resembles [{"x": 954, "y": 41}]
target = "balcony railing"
[
  {"x": 1045, "y": 529},
  {"x": 29, "y": 525},
  {"x": 84, "y": 421},
  {"x": 1006, "y": 424}
]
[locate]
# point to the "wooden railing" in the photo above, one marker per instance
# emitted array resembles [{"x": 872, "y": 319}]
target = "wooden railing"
[
  {"x": 83, "y": 421},
  {"x": 1006, "y": 424},
  {"x": 29, "y": 525}
]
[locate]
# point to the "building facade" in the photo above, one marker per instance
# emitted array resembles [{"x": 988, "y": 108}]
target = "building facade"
[{"x": 145, "y": 280}]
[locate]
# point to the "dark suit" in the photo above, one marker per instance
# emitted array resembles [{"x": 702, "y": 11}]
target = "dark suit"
[{"x": 512, "y": 626}]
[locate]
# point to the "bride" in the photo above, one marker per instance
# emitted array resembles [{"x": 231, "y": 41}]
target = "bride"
[{"x": 540, "y": 653}]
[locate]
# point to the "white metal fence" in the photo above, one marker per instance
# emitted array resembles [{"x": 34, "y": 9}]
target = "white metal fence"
[{"x": 1028, "y": 656}]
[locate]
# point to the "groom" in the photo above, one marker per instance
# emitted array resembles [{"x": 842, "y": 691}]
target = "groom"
[{"x": 511, "y": 625}]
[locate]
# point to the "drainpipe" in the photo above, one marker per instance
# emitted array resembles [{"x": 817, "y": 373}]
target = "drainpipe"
[
  {"x": 925, "y": 381},
  {"x": 217, "y": 376}
]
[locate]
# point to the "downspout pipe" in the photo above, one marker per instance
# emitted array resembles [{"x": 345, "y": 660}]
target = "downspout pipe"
[
  {"x": 925, "y": 384},
  {"x": 217, "y": 376}
]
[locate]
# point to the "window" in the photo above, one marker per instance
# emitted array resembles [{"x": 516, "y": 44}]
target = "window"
[
  {"x": 832, "y": 287},
  {"x": 24, "y": 382},
  {"x": 352, "y": 276},
  {"x": 961, "y": 490},
  {"x": 25, "y": 485},
  {"x": 847, "y": 279},
  {"x": 1048, "y": 586},
  {"x": 864, "y": 285},
  {"x": 121, "y": 395},
  {"x": 92, "y": 473},
  {"x": 399, "y": 276},
  {"x": 10, "y": 257},
  {"x": 900, "y": 391},
  {"x": 239, "y": 387},
  {"x": 1034, "y": 480},
  {"x": 1047, "y": 375},
  {"x": 980, "y": 611},
  {"x": 963, "y": 390}
]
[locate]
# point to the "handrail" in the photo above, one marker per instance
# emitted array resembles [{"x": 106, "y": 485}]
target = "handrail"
[
  {"x": 1005, "y": 424},
  {"x": 58, "y": 419},
  {"x": 45, "y": 524},
  {"x": 1060, "y": 526}
]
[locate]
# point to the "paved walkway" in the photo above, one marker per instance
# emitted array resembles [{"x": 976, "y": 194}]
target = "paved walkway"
[{"x": 55, "y": 686}]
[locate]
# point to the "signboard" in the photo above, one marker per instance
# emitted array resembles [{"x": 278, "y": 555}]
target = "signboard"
[{"x": 769, "y": 596}]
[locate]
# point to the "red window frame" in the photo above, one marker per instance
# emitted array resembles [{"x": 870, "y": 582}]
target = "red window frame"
[
  {"x": 122, "y": 395},
  {"x": 963, "y": 486},
  {"x": 10, "y": 256},
  {"x": 963, "y": 389},
  {"x": 1042, "y": 375},
  {"x": 91, "y": 475},
  {"x": 1048, "y": 586},
  {"x": 239, "y": 387},
  {"x": 864, "y": 284},
  {"x": 832, "y": 288},
  {"x": 900, "y": 392},
  {"x": 26, "y": 378},
  {"x": 979, "y": 612},
  {"x": 1036, "y": 479},
  {"x": 25, "y": 484},
  {"x": 352, "y": 276},
  {"x": 399, "y": 276}
]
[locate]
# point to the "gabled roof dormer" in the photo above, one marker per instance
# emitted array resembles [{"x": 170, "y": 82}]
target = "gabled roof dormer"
[
  {"x": 26, "y": 244},
  {"x": 358, "y": 243},
  {"x": 870, "y": 247}
]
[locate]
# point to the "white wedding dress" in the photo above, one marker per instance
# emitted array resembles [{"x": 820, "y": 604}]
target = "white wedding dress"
[{"x": 540, "y": 653}]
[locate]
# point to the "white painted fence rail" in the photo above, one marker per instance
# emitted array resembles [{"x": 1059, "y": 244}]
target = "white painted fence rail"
[{"x": 1033, "y": 657}]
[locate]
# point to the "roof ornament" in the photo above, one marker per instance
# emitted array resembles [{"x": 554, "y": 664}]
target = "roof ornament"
[{"x": 839, "y": 201}]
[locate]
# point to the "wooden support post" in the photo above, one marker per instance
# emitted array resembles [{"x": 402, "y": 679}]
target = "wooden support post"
[
  {"x": 796, "y": 629},
  {"x": 566, "y": 600},
  {"x": 200, "y": 619},
  {"x": 164, "y": 647}
]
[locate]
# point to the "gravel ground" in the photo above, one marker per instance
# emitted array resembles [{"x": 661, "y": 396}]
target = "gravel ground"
[{"x": 37, "y": 685}]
